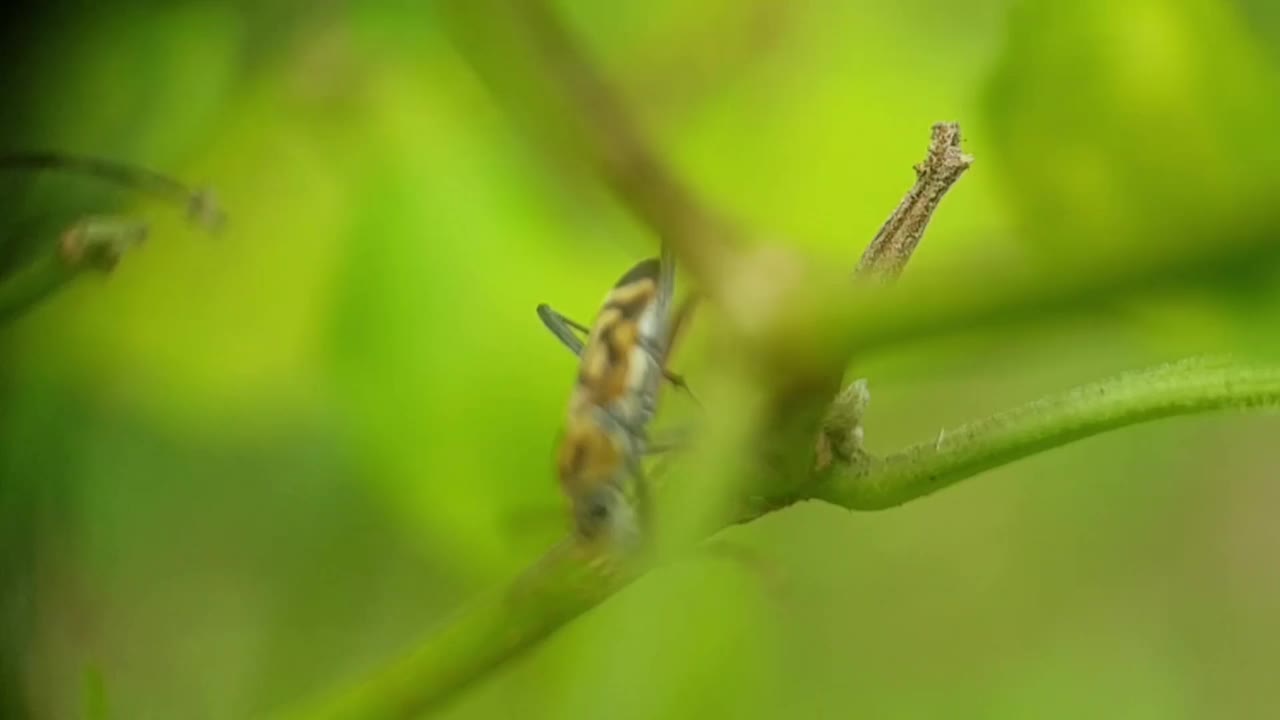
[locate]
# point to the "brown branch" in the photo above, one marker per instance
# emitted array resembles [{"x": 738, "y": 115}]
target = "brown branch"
[
  {"x": 892, "y": 247},
  {"x": 535, "y": 64}
]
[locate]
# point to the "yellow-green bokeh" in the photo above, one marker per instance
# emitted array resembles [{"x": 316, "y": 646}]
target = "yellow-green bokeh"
[{"x": 242, "y": 469}]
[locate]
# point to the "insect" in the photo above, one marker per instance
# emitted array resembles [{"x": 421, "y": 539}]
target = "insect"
[{"x": 622, "y": 363}]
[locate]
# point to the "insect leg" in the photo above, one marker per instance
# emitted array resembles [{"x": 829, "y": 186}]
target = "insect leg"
[
  {"x": 640, "y": 493},
  {"x": 680, "y": 383},
  {"x": 660, "y": 351},
  {"x": 666, "y": 278},
  {"x": 563, "y": 328},
  {"x": 680, "y": 322},
  {"x": 676, "y": 379}
]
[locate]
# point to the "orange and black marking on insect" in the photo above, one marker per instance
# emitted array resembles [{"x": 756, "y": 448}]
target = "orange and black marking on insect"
[{"x": 621, "y": 365}]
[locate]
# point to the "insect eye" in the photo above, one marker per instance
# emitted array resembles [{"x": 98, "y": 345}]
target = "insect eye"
[
  {"x": 593, "y": 515},
  {"x": 598, "y": 510}
]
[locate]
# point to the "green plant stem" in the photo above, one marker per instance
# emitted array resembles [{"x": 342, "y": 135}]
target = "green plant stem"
[
  {"x": 29, "y": 285},
  {"x": 93, "y": 244},
  {"x": 1192, "y": 386},
  {"x": 485, "y": 635},
  {"x": 497, "y": 629}
]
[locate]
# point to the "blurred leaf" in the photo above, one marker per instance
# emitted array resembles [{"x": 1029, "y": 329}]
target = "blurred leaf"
[
  {"x": 1264, "y": 19},
  {"x": 95, "y": 695},
  {"x": 1144, "y": 126},
  {"x": 1136, "y": 123},
  {"x": 235, "y": 473}
]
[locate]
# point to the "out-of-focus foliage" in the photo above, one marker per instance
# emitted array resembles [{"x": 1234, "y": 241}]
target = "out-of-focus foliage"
[
  {"x": 239, "y": 470},
  {"x": 1136, "y": 123}
]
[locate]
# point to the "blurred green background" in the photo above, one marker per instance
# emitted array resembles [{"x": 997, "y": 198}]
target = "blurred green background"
[{"x": 240, "y": 470}]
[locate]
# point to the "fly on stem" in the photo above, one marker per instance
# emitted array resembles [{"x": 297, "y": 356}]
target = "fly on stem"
[{"x": 622, "y": 366}]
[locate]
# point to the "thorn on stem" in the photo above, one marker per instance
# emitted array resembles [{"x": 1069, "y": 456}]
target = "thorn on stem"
[{"x": 841, "y": 436}]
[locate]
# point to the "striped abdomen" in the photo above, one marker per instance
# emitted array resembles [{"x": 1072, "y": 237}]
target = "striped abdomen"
[{"x": 614, "y": 362}]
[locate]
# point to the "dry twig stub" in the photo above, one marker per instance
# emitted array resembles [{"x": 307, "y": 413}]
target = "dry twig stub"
[{"x": 885, "y": 258}]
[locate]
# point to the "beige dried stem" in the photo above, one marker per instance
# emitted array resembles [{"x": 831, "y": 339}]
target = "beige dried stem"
[
  {"x": 882, "y": 262},
  {"x": 898, "y": 238}
]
